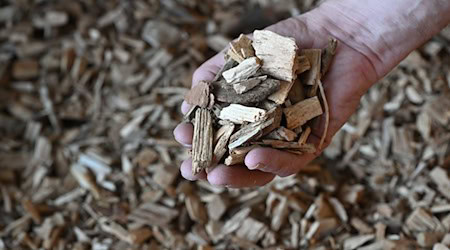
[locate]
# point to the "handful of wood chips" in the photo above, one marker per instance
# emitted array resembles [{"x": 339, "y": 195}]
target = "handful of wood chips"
[{"x": 264, "y": 96}]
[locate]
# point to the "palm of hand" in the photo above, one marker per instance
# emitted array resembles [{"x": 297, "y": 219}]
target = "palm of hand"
[{"x": 349, "y": 77}]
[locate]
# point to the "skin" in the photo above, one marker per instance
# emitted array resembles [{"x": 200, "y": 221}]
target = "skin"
[{"x": 374, "y": 36}]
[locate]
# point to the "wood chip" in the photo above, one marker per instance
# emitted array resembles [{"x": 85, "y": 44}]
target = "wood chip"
[
  {"x": 278, "y": 54},
  {"x": 226, "y": 93},
  {"x": 280, "y": 96},
  {"x": 202, "y": 142},
  {"x": 300, "y": 113},
  {"x": 199, "y": 95},
  {"x": 246, "y": 85},
  {"x": 248, "y": 132},
  {"x": 241, "y": 49},
  {"x": 237, "y": 155},
  {"x": 240, "y": 114},
  {"x": 283, "y": 134},
  {"x": 243, "y": 70},
  {"x": 25, "y": 69},
  {"x": 311, "y": 76},
  {"x": 357, "y": 241},
  {"x": 220, "y": 147}
]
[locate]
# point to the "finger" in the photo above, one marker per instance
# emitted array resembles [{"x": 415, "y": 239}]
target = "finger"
[
  {"x": 238, "y": 177},
  {"x": 185, "y": 107},
  {"x": 276, "y": 161},
  {"x": 183, "y": 133},
  {"x": 186, "y": 171},
  {"x": 208, "y": 70}
]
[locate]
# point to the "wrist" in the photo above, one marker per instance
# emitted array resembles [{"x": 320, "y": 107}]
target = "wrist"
[{"x": 385, "y": 32}]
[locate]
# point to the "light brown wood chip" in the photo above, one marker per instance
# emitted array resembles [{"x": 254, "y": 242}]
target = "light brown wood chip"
[
  {"x": 221, "y": 146},
  {"x": 241, "y": 49},
  {"x": 300, "y": 113},
  {"x": 278, "y": 53},
  {"x": 199, "y": 95},
  {"x": 237, "y": 155},
  {"x": 280, "y": 96},
  {"x": 202, "y": 142},
  {"x": 314, "y": 57}
]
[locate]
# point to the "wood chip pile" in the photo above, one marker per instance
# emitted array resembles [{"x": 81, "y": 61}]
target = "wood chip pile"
[
  {"x": 90, "y": 93},
  {"x": 256, "y": 100}
]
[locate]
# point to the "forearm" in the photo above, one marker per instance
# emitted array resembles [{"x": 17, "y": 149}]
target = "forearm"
[{"x": 385, "y": 31}]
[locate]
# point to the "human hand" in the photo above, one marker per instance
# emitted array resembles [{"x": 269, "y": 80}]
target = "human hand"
[{"x": 355, "y": 68}]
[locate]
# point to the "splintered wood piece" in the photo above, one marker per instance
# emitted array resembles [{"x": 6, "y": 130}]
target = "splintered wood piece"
[
  {"x": 328, "y": 54},
  {"x": 251, "y": 230},
  {"x": 85, "y": 179},
  {"x": 278, "y": 53},
  {"x": 196, "y": 209},
  {"x": 422, "y": 221},
  {"x": 304, "y": 136},
  {"x": 300, "y": 113},
  {"x": 239, "y": 114},
  {"x": 357, "y": 241},
  {"x": 248, "y": 132},
  {"x": 280, "y": 96},
  {"x": 237, "y": 155},
  {"x": 241, "y": 49},
  {"x": 275, "y": 113},
  {"x": 302, "y": 64},
  {"x": 31, "y": 208},
  {"x": 225, "y": 92},
  {"x": 216, "y": 207},
  {"x": 440, "y": 178},
  {"x": 25, "y": 69},
  {"x": 243, "y": 70},
  {"x": 202, "y": 142},
  {"x": 279, "y": 144},
  {"x": 283, "y": 134},
  {"x": 327, "y": 114},
  {"x": 246, "y": 85},
  {"x": 428, "y": 239},
  {"x": 221, "y": 146},
  {"x": 199, "y": 94},
  {"x": 297, "y": 93},
  {"x": 311, "y": 76}
]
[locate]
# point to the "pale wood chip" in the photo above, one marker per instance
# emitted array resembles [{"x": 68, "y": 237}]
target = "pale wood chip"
[
  {"x": 357, "y": 241},
  {"x": 282, "y": 133},
  {"x": 240, "y": 114},
  {"x": 278, "y": 53},
  {"x": 248, "y": 132},
  {"x": 243, "y": 70},
  {"x": 246, "y": 85},
  {"x": 237, "y": 155},
  {"x": 300, "y": 113}
]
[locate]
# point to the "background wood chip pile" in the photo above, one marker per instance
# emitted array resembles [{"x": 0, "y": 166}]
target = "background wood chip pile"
[{"x": 89, "y": 96}]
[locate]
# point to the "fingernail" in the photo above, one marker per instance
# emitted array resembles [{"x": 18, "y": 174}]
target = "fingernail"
[{"x": 259, "y": 166}]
